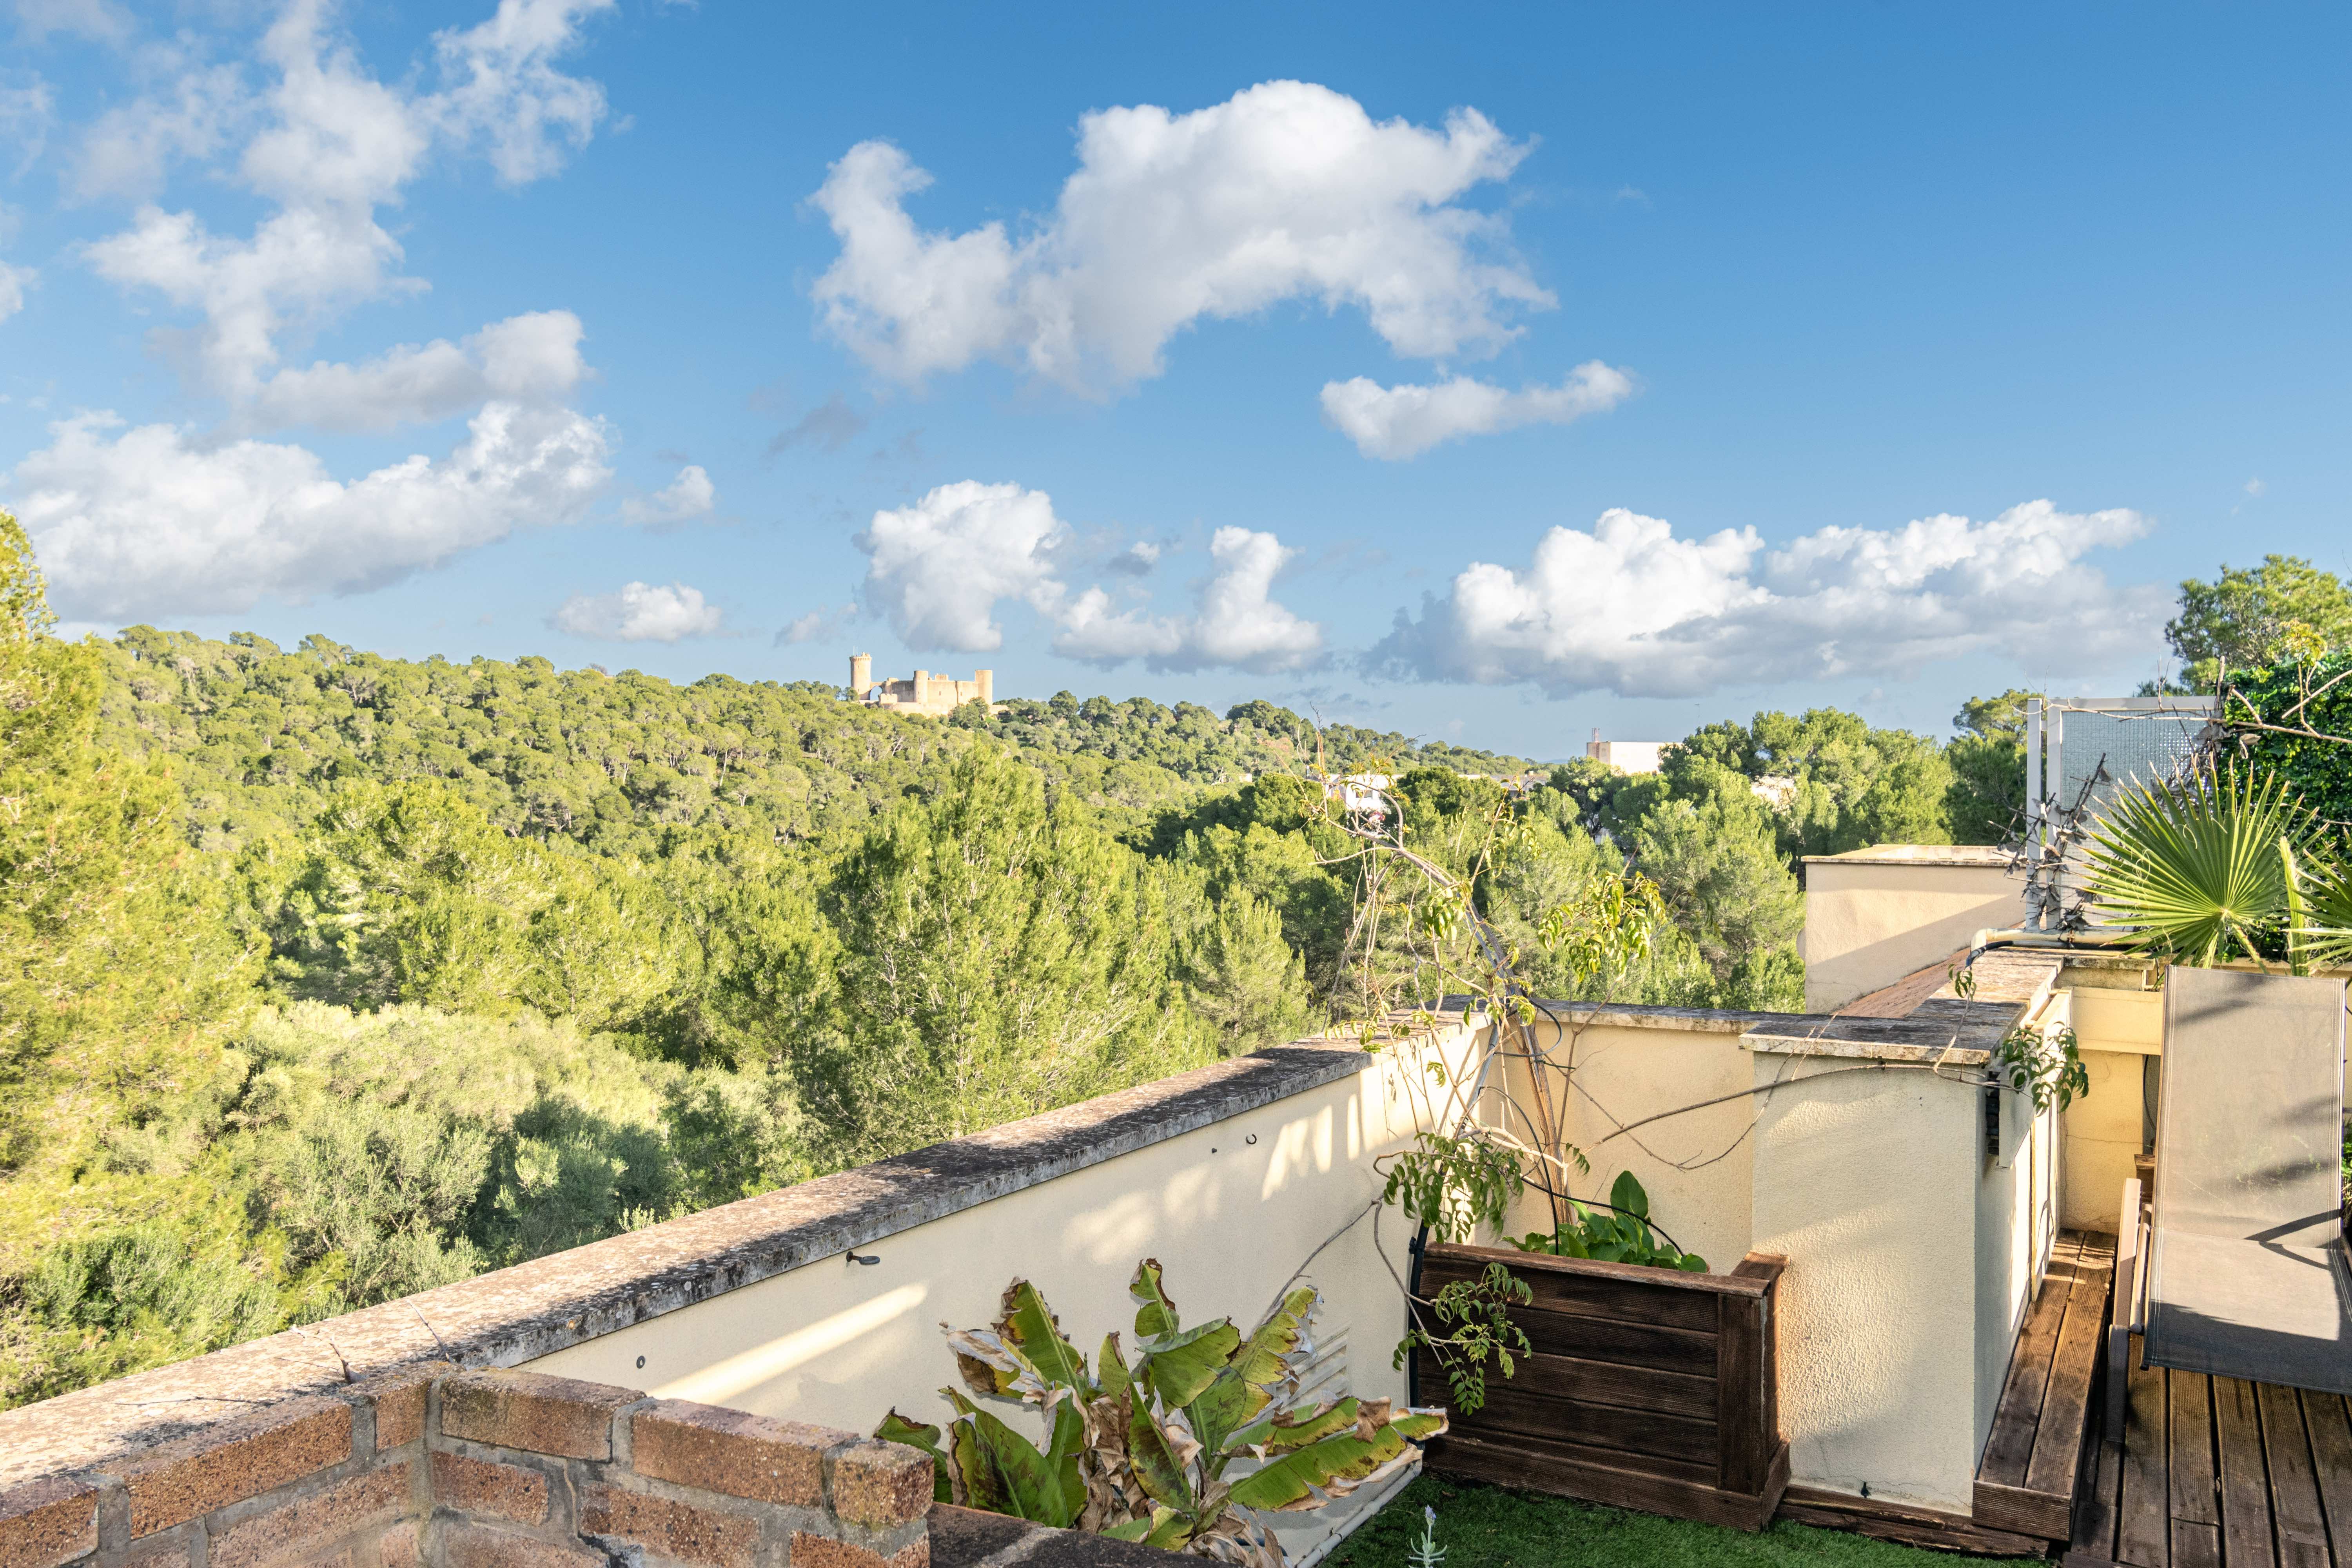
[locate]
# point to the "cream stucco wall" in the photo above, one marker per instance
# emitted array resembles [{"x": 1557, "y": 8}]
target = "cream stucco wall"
[
  {"x": 1232, "y": 1210},
  {"x": 2104, "y": 1130},
  {"x": 2020, "y": 1193},
  {"x": 1905, "y": 1241},
  {"x": 2109, "y": 1019},
  {"x": 1910, "y": 1250},
  {"x": 1874, "y": 915},
  {"x": 1698, "y": 1167}
]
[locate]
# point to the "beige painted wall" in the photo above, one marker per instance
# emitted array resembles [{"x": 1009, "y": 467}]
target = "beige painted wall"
[
  {"x": 2109, "y": 1020},
  {"x": 839, "y": 1343},
  {"x": 1907, "y": 1264},
  {"x": 1624, "y": 1073},
  {"x": 1231, "y": 1210},
  {"x": 2019, "y": 1194},
  {"x": 1871, "y": 1183},
  {"x": 1874, "y": 915},
  {"x": 2102, "y": 1139}
]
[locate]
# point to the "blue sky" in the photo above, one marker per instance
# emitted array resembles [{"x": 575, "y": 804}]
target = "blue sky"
[{"x": 1490, "y": 375}]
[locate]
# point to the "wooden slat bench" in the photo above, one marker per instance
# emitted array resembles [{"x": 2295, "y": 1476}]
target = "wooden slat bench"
[{"x": 2026, "y": 1480}]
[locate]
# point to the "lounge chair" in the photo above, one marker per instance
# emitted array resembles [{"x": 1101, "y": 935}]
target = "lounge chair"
[{"x": 2246, "y": 1273}]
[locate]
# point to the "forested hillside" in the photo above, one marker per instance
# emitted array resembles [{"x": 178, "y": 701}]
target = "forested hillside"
[
  {"x": 332, "y": 976},
  {"x": 262, "y": 737}
]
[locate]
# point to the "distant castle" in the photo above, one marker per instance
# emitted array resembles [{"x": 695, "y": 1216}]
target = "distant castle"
[{"x": 927, "y": 693}]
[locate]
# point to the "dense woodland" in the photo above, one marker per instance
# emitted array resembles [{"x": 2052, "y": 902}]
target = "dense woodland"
[{"x": 332, "y": 976}]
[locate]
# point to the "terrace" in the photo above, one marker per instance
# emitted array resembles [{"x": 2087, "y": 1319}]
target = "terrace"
[{"x": 1905, "y": 1331}]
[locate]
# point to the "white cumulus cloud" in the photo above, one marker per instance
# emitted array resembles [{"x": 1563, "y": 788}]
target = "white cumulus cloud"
[
  {"x": 129, "y": 151},
  {"x": 150, "y": 523},
  {"x": 1285, "y": 190},
  {"x": 639, "y": 612},
  {"x": 689, "y": 495},
  {"x": 938, "y": 570},
  {"x": 504, "y": 92},
  {"x": 1630, "y": 608},
  {"x": 1235, "y": 622},
  {"x": 815, "y": 625},
  {"x": 12, "y": 282},
  {"x": 1401, "y": 422},
  {"x": 530, "y": 358},
  {"x": 327, "y": 144},
  {"x": 101, "y": 21}
]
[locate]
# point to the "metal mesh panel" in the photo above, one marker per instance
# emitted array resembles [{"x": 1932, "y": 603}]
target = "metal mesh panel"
[
  {"x": 2081, "y": 753},
  {"x": 2136, "y": 748}
]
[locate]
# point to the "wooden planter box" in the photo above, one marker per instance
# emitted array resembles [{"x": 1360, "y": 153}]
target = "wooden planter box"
[{"x": 1649, "y": 1388}]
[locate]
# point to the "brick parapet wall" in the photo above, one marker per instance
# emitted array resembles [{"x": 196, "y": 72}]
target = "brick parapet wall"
[{"x": 435, "y": 1467}]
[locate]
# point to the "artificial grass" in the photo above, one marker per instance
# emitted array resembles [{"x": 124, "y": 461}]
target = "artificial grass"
[{"x": 1488, "y": 1526}]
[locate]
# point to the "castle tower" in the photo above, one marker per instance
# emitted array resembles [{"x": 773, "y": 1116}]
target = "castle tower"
[
  {"x": 987, "y": 679},
  {"x": 861, "y": 675}
]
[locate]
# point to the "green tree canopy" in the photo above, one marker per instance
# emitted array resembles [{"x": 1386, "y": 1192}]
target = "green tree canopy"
[
  {"x": 1988, "y": 762},
  {"x": 2249, "y": 616}
]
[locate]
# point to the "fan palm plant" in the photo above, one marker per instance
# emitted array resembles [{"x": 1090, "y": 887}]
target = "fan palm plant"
[
  {"x": 2205, "y": 866},
  {"x": 2324, "y": 933}
]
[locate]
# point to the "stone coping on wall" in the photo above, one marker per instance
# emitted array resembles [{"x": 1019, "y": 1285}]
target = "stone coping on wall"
[
  {"x": 1979, "y": 856},
  {"x": 1943, "y": 1030},
  {"x": 1635, "y": 1015},
  {"x": 519, "y": 1314}
]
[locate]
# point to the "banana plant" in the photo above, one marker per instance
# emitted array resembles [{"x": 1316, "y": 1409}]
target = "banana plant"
[{"x": 1139, "y": 1447}]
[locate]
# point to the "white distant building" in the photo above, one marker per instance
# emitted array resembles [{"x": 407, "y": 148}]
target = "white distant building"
[
  {"x": 1626, "y": 755},
  {"x": 1361, "y": 792}
]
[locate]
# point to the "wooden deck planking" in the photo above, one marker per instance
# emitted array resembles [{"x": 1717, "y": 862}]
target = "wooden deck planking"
[
  {"x": 2294, "y": 1485},
  {"x": 2245, "y": 1483},
  {"x": 2328, "y": 1418},
  {"x": 2144, "y": 1511},
  {"x": 2196, "y": 1497},
  {"x": 2218, "y": 1473}
]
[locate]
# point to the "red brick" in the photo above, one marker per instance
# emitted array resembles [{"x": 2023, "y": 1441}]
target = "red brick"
[
  {"x": 824, "y": 1552},
  {"x": 882, "y": 1483},
  {"x": 481, "y": 1486},
  {"x": 480, "y": 1546},
  {"x": 235, "y": 1459},
  {"x": 733, "y": 1451},
  {"x": 47, "y": 1522},
  {"x": 397, "y": 1547},
  {"x": 669, "y": 1528},
  {"x": 399, "y": 1401},
  {"x": 525, "y": 1410},
  {"x": 303, "y": 1526}
]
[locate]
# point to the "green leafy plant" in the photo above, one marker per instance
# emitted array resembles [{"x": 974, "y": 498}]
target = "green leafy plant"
[
  {"x": 1455, "y": 1183},
  {"x": 1426, "y": 1552},
  {"x": 2044, "y": 1063},
  {"x": 1619, "y": 1231},
  {"x": 2323, "y": 926},
  {"x": 2200, "y": 867},
  {"x": 1474, "y": 1319},
  {"x": 1140, "y": 1450}
]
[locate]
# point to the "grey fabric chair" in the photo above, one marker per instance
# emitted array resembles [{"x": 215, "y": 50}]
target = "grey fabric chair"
[{"x": 2247, "y": 1272}]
